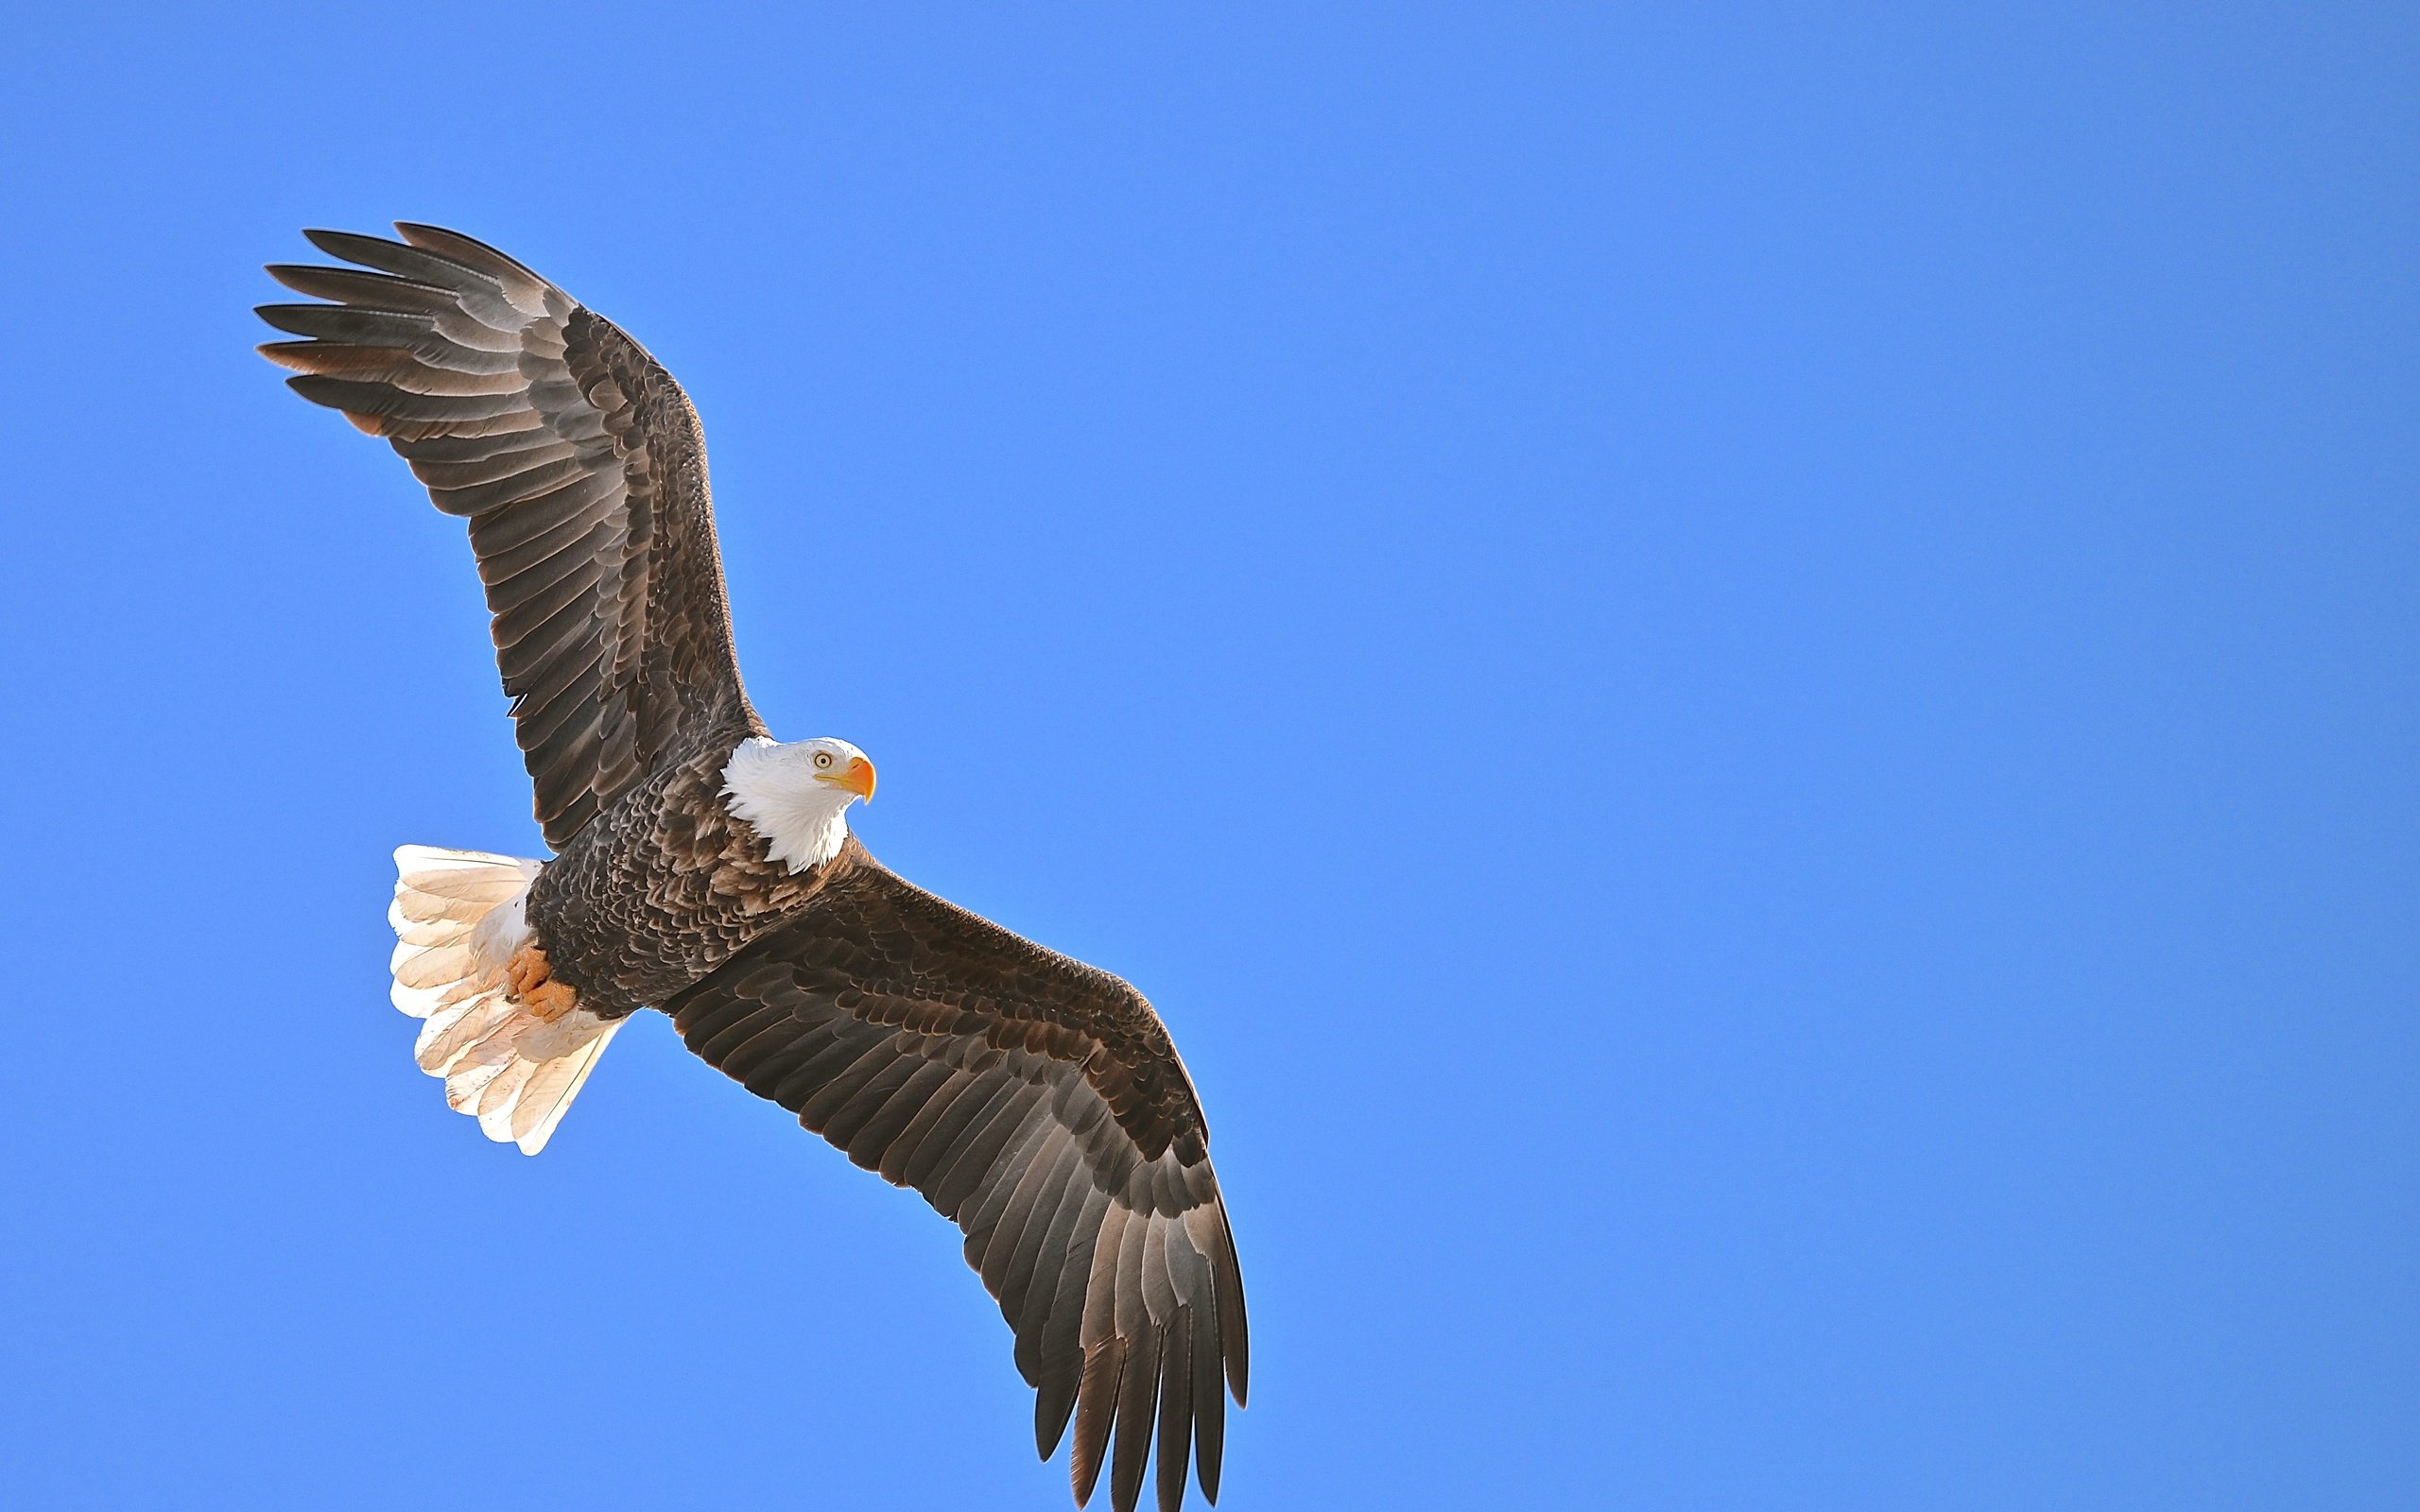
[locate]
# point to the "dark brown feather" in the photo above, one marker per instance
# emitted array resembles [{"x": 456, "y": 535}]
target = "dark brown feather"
[
  {"x": 1138, "y": 1393},
  {"x": 938, "y": 1152},
  {"x": 1057, "y": 1366},
  {"x": 1096, "y": 1412},
  {"x": 1176, "y": 1409}
]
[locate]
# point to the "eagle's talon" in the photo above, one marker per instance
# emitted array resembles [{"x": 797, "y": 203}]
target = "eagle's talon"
[{"x": 529, "y": 982}]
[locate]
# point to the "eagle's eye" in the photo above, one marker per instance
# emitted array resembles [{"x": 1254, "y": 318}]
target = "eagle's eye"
[{"x": 823, "y": 758}]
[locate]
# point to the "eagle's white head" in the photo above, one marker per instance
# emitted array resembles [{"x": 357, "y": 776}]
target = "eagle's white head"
[{"x": 796, "y": 794}]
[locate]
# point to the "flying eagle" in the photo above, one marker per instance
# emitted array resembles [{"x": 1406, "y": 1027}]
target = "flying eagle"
[{"x": 705, "y": 869}]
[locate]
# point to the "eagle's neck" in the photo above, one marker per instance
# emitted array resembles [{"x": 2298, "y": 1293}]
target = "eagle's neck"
[{"x": 773, "y": 789}]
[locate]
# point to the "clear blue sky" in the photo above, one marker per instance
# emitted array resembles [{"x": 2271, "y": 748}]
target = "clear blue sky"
[{"x": 1744, "y": 678}]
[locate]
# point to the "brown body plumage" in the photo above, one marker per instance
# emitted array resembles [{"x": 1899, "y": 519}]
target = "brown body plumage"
[{"x": 1035, "y": 1101}]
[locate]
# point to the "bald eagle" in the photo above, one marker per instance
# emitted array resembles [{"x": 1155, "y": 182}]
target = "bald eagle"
[{"x": 703, "y": 870}]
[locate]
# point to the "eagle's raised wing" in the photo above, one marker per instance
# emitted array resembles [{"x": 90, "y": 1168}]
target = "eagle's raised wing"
[
  {"x": 1038, "y": 1103},
  {"x": 582, "y": 471}
]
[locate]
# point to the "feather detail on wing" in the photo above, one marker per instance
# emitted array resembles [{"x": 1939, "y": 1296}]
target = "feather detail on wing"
[
  {"x": 1039, "y": 1104},
  {"x": 581, "y": 469}
]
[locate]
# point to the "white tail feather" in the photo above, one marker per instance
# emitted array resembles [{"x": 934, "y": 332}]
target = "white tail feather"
[{"x": 458, "y": 921}]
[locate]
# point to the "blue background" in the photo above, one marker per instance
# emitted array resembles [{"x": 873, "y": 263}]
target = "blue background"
[{"x": 1743, "y": 677}]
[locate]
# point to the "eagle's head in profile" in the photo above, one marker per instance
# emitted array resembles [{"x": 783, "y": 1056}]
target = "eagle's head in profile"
[{"x": 796, "y": 794}]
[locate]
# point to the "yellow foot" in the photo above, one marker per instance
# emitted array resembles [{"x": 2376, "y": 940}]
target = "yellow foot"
[{"x": 529, "y": 983}]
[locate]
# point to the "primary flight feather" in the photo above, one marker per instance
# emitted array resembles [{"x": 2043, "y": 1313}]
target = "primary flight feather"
[{"x": 702, "y": 868}]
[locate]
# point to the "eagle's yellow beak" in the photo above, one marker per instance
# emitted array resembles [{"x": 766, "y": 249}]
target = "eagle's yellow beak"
[{"x": 857, "y": 777}]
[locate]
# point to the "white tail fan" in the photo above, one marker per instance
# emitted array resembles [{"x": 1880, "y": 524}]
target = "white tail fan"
[{"x": 458, "y": 920}]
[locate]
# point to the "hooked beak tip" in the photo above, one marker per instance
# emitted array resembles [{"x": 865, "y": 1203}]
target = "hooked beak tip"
[{"x": 858, "y": 779}]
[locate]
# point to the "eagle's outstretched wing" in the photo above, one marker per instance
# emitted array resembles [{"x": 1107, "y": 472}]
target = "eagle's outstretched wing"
[
  {"x": 1038, "y": 1103},
  {"x": 582, "y": 471}
]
